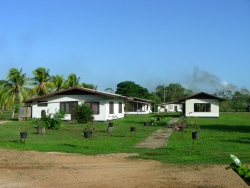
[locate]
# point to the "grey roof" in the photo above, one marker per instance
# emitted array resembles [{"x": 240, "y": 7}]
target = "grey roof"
[
  {"x": 202, "y": 95},
  {"x": 76, "y": 90}
]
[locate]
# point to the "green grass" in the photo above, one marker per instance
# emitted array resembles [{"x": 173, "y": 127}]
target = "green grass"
[{"x": 220, "y": 137}]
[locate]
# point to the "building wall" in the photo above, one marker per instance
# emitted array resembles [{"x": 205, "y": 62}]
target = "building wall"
[
  {"x": 170, "y": 108},
  {"x": 54, "y": 105},
  {"x": 189, "y": 105},
  {"x": 116, "y": 114},
  {"x": 145, "y": 109}
]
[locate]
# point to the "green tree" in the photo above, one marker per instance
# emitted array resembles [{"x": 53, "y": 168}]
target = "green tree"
[
  {"x": 14, "y": 89},
  {"x": 154, "y": 97},
  {"x": 131, "y": 89},
  {"x": 227, "y": 105},
  {"x": 238, "y": 101},
  {"x": 110, "y": 90},
  {"x": 58, "y": 81},
  {"x": 72, "y": 81},
  {"x": 173, "y": 92},
  {"x": 42, "y": 81},
  {"x": 89, "y": 86}
]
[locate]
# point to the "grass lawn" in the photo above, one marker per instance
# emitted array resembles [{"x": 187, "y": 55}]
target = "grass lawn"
[{"x": 220, "y": 137}]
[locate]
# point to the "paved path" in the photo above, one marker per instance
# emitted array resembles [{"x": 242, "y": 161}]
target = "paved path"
[
  {"x": 159, "y": 138},
  {"x": 4, "y": 122}
]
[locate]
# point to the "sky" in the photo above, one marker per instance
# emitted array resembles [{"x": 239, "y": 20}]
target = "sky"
[{"x": 204, "y": 45}]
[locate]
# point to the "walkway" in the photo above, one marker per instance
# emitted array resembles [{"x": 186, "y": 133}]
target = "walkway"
[{"x": 159, "y": 138}]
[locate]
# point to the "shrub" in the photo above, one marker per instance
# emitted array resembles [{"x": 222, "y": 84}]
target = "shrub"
[
  {"x": 52, "y": 121},
  {"x": 83, "y": 113}
]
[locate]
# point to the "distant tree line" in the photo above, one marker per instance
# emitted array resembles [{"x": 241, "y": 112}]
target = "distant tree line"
[
  {"x": 235, "y": 101},
  {"x": 18, "y": 87}
]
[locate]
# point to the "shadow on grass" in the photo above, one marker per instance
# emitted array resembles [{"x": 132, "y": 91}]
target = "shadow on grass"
[
  {"x": 71, "y": 145},
  {"x": 227, "y": 128},
  {"x": 241, "y": 141},
  {"x": 14, "y": 141}
]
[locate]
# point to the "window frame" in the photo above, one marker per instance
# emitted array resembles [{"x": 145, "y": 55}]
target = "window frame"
[
  {"x": 91, "y": 104},
  {"x": 64, "y": 107},
  {"x": 202, "y": 107},
  {"x": 111, "y": 107},
  {"x": 120, "y": 108}
]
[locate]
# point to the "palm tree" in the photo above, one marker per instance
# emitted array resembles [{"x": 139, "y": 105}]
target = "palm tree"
[
  {"x": 72, "y": 81},
  {"x": 42, "y": 81},
  {"x": 89, "y": 86},
  {"x": 13, "y": 89},
  {"x": 58, "y": 81}
]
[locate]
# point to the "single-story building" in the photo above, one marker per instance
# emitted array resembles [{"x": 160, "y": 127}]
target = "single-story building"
[
  {"x": 106, "y": 106},
  {"x": 134, "y": 105},
  {"x": 201, "y": 105},
  {"x": 170, "y": 107}
]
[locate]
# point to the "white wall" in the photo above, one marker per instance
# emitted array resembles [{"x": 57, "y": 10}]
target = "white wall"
[
  {"x": 116, "y": 114},
  {"x": 146, "y": 109},
  {"x": 54, "y": 105},
  {"x": 170, "y": 108},
  {"x": 190, "y": 108}
]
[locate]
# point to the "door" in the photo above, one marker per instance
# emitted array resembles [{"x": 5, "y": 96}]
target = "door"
[{"x": 71, "y": 109}]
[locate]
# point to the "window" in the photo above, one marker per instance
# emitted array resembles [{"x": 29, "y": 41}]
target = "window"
[
  {"x": 42, "y": 103},
  {"x": 120, "y": 107},
  {"x": 202, "y": 107},
  {"x": 170, "y": 107},
  {"x": 94, "y": 106},
  {"x": 65, "y": 107},
  {"x": 111, "y": 107}
]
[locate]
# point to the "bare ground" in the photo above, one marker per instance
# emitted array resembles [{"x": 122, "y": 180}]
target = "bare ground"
[{"x": 36, "y": 169}]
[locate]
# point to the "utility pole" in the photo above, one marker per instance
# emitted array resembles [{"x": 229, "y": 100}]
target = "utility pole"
[{"x": 164, "y": 95}]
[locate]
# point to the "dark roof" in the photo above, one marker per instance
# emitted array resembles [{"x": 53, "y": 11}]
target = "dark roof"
[
  {"x": 162, "y": 104},
  {"x": 202, "y": 95},
  {"x": 135, "y": 99},
  {"x": 76, "y": 91}
]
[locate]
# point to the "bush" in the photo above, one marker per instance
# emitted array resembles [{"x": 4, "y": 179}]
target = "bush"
[
  {"x": 52, "y": 121},
  {"x": 83, "y": 113}
]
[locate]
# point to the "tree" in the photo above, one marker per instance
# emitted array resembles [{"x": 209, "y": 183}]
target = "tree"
[
  {"x": 13, "y": 89},
  {"x": 228, "y": 104},
  {"x": 129, "y": 88},
  {"x": 72, "y": 81},
  {"x": 42, "y": 81},
  {"x": 58, "y": 81},
  {"x": 171, "y": 93},
  {"x": 238, "y": 101},
  {"x": 89, "y": 86},
  {"x": 154, "y": 97},
  {"x": 110, "y": 90}
]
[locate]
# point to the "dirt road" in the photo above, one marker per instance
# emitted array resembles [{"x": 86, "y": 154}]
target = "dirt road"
[{"x": 36, "y": 169}]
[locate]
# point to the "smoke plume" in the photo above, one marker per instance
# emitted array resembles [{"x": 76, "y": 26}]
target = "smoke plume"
[{"x": 208, "y": 80}]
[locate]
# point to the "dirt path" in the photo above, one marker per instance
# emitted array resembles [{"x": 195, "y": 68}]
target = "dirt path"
[{"x": 35, "y": 169}]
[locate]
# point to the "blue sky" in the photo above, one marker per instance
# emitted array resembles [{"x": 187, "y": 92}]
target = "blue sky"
[{"x": 203, "y": 45}]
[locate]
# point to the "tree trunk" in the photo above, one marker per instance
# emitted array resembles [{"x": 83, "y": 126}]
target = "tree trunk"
[{"x": 13, "y": 113}]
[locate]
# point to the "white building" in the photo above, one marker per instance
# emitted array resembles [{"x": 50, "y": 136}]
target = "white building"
[
  {"x": 201, "y": 105},
  {"x": 170, "y": 107},
  {"x": 105, "y": 105},
  {"x": 137, "y": 106}
]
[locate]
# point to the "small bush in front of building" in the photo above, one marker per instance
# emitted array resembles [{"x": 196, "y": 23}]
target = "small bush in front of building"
[
  {"x": 83, "y": 113},
  {"x": 51, "y": 121}
]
